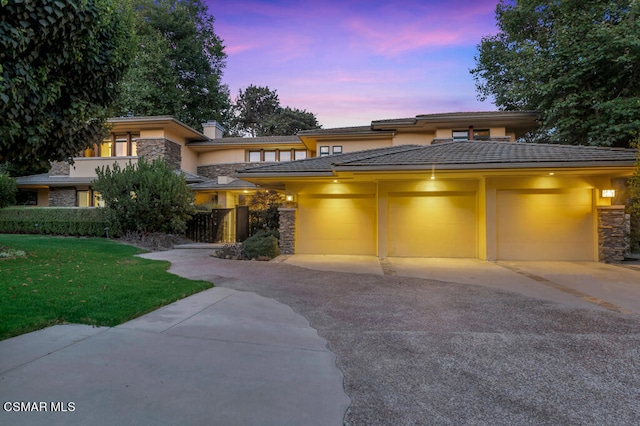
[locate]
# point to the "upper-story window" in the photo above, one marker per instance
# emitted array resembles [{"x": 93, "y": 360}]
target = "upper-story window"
[
  {"x": 324, "y": 151},
  {"x": 337, "y": 149},
  {"x": 118, "y": 145},
  {"x": 460, "y": 135},
  {"x": 471, "y": 134},
  {"x": 275, "y": 155}
]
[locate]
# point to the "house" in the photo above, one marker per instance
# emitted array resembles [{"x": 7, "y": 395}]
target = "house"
[
  {"x": 206, "y": 159},
  {"x": 473, "y": 194},
  {"x": 436, "y": 185}
]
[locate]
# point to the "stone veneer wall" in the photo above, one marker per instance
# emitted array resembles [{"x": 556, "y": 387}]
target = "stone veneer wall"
[
  {"x": 212, "y": 171},
  {"x": 613, "y": 242},
  {"x": 287, "y": 228},
  {"x": 152, "y": 149},
  {"x": 62, "y": 197},
  {"x": 60, "y": 168}
]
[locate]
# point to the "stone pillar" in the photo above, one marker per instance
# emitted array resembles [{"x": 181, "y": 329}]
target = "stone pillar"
[
  {"x": 287, "y": 228},
  {"x": 60, "y": 168},
  {"x": 612, "y": 230},
  {"x": 62, "y": 197},
  {"x": 152, "y": 149}
]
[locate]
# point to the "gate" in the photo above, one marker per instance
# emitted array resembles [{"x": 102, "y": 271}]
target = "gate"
[{"x": 208, "y": 227}]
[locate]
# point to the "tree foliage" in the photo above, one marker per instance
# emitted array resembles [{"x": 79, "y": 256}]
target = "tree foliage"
[
  {"x": 263, "y": 211},
  {"x": 257, "y": 112},
  {"x": 578, "y": 62},
  {"x": 8, "y": 190},
  {"x": 145, "y": 197},
  {"x": 178, "y": 66},
  {"x": 60, "y": 65}
]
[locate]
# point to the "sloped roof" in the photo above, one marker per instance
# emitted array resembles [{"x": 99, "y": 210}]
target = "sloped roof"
[
  {"x": 462, "y": 155},
  {"x": 214, "y": 184},
  {"x": 319, "y": 165}
]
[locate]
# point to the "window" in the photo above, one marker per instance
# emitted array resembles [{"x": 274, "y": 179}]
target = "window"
[
  {"x": 98, "y": 201},
  {"x": 481, "y": 135},
  {"x": 254, "y": 156},
  {"x": 460, "y": 135},
  {"x": 270, "y": 156},
  {"x": 324, "y": 151},
  {"x": 83, "y": 198},
  {"x": 300, "y": 154},
  {"x": 337, "y": 149},
  {"x": 118, "y": 145},
  {"x": 285, "y": 155}
]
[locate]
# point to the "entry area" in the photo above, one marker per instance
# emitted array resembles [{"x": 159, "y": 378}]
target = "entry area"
[
  {"x": 547, "y": 224},
  {"x": 432, "y": 224}
]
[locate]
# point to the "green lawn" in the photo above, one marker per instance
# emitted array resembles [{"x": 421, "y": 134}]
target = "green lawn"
[{"x": 80, "y": 280}]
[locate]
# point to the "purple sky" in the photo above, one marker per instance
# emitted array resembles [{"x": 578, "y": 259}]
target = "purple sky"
[{"x": 351, "y": 61}]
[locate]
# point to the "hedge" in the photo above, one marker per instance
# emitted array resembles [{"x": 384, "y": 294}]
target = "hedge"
[{"x": 90, "y": 222}]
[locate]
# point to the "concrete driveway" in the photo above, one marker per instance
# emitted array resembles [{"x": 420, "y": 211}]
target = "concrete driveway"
[
  {"x": 418, "y": 341},
  {"x": 418, "y": 350},
  {"x": 614, "y": 287}
]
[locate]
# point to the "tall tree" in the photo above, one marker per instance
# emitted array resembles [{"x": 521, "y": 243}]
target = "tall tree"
[
  {"x": 178, "y": 67},
  {"x": 578, "y": 62},
  {"x": 257, "y": 112},
  {"x": 60, "y": 65}
]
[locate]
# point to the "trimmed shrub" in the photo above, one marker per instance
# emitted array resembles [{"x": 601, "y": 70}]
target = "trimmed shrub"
[
  {"x": 8, "y": 190},
  {"x": 56, "y": 221},
  {"x": 262, "y": 244},
  {"x": 146, "y": 197}
]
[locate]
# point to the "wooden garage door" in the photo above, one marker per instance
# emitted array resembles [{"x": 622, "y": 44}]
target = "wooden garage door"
[
  {"x": 439, "y": 224},
  {"x": 545, "y": 225},
  {"x": 336, "y": 224}
]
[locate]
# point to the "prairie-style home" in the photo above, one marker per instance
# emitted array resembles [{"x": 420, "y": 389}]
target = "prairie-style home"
[{"x": 436, "y": 185}]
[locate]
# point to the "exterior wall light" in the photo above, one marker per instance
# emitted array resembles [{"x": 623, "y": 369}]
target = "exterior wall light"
[
  {"x": 608, "y": 193},
  {"x": 289, "y": 197}
]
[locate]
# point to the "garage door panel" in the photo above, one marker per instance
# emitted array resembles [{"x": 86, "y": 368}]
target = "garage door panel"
[
  {"x": 336, "y": 225},
  {"x": 433, "y": 225},
  {"x": 545, "y": 225}
]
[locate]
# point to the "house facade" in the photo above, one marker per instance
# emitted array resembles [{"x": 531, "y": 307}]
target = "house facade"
[
  {"x": 473, "y": 197},
  {"x": 437, "y": 185}
]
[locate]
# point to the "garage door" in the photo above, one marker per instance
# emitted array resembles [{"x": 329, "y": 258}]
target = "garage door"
[
  {"x": 545, "y": 225},
  {"x": 432, "y": 225},
  {"x": 336, "y": 225}
]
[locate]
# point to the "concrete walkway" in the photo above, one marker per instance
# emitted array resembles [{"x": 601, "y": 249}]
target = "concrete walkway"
[{"x": 219, "y": 357}]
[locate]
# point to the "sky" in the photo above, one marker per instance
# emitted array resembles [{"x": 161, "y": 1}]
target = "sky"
[{"x": 351, "y": 62}]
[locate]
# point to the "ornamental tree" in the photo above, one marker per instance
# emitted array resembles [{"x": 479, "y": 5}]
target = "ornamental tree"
[{"x": 577, "y": 62}]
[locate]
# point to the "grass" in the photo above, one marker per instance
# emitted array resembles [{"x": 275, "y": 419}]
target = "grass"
[{"x": 80, "y": 280}]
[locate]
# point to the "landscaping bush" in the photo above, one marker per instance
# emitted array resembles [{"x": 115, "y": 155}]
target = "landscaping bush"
[
  {"x": 262, "y": 244},
  {"x": 8, "y": 190},
  {"x": 55, "y": 221},
  {"x": 145, "y": 197}
]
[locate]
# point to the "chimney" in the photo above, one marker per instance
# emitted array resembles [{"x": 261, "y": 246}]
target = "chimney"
[{"x": 212, "y": 129}]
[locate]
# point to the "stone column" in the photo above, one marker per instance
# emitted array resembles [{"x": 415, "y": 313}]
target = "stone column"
[
  {"x": 287, "y": 228},
  {"x": 62, "y": 197},
  {"x": 152, "y": 149},
  {"x": 612, "y": 234}
]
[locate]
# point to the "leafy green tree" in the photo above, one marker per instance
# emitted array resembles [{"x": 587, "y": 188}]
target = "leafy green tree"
[
  {"x": 145, "y": 197},
  {"x": 634, "y": 202},
  {"x": 263, "y": 211},
  {"x": 257, "y": 112},
  {"x": 289, "y": 121},
  {"x": 178, "y": 67},
  {"x": 60, "y": 65},
  {"x": 578, "y": 62},
  {"x": 253, "y": 108},
  {"x": 8, "y": 190}
]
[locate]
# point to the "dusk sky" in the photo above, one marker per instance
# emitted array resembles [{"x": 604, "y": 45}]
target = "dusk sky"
[{"x": 351, "y": 61}]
